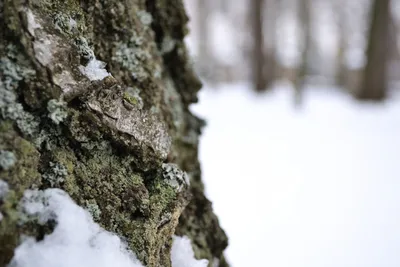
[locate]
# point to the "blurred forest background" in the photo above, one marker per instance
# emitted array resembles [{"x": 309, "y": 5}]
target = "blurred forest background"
[
  {"x": 351, "y": 44},
  {"x": 307, "y": 173}
]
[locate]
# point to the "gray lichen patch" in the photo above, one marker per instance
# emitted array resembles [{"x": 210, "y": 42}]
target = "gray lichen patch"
[
  {"x": 93, "y": 209},
  {"x": 83, "y": 48},
  {"x": 174, "y": 176},
  {"x": 145, "y": 17},
  {"x": 14, "y": 68},
  {"x": 167, "y": 45},
  {"x": 133, "y": 57},
  {"x": 57, "y": 110},
  {"x": 56, "y": 174},
  {"x": 64, "y": 23},
  {"x": 10, "y": 109},
  {"x": 4, "y": 189},
  {"x": 7, "y": 159}
]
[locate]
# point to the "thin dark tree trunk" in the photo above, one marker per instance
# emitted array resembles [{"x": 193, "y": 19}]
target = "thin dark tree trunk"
[
  {"x": 374, "y": 82},
  {"x": 258, "y": 77},
  {"x": 270, "y": 63},
  {"x": 305, "y": 19},
  {"x": 341, "y": 68}
]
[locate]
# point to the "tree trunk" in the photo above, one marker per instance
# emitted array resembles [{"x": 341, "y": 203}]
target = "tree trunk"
[
  {"x": 205, "y": 64},
  {"x": 270, "y": 63},
  {"x": 117, "y": 138},
  {"x": 256, "y": 12},
  {"x": 374, "y": 82},
  {"x": 341, "y": 67},
  {"x": 393, "y": 54},
  {"x": 305, "y": 20}
]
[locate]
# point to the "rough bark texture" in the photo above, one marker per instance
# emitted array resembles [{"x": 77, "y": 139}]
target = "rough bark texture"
[
  {"x": 374, "y": 83},
  {"x": 113, "y": 137}
]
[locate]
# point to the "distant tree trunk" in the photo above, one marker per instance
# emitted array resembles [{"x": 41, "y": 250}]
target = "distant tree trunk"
[
  {"x": 205, "y": 63},
  {"x": 341, "y": 67},
  {"x": 374, "y": 82},
  {"x": 393, "y": 43},
  {"x": 118, "y": 138},
  {"x": 256, "y": 12},
  {"x": 305, "y": 20},
  {"x": 270, "y": 64},
  {"x": 393, "y": 55}
]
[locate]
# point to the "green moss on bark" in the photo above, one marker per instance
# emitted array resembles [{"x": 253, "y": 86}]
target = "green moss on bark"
[{"x": 21, "y": 176}]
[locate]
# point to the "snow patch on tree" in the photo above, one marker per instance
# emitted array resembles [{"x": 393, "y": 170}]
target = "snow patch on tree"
[
  {"x": 182, "y": 254},
  {"x": 76, "y": 240},
  {"x": 95, "y": 70}
]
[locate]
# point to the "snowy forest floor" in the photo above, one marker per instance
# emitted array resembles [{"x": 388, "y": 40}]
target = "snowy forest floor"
[{"x": 312, "y": 187}]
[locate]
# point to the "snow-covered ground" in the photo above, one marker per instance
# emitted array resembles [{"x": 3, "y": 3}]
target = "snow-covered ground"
[{"x": 319, "y": 187}]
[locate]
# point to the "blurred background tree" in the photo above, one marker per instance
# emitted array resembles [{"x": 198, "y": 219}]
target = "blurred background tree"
[{"x": 352, "y": 45}]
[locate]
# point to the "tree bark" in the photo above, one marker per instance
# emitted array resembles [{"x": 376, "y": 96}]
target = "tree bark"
[
  {"x": 112, "y": 130},
  {"x": 374, "y": 82}
]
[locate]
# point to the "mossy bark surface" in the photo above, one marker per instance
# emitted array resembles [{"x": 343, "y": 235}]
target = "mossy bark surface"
[{"x": 103, "y": 134}]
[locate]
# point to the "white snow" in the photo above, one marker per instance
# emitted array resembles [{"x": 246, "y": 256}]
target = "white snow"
[
  {"x": 95, "y": 70},
  {"x": 76, "y": 240},
  {"x": 182, "y": 254},
  {"x": 303, "y": 188}
]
